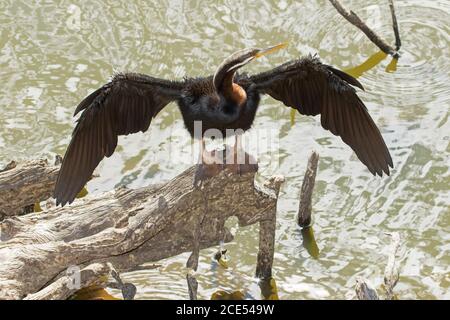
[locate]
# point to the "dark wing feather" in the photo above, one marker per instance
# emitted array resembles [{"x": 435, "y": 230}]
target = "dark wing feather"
[
  {"x": 125, "y": 105},
  {"x": 314, "y": 88}
]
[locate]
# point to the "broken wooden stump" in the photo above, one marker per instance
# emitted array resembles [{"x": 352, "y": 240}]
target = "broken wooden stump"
[
  {"x": 305, "y": 206},
  {"x": 304, "y": 214},
  {"x": 267, "y": 228},
  {"x": 126, "y": 228}
]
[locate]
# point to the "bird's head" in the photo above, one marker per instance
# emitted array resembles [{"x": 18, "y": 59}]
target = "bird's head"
[{"x": 239, "y": 59}]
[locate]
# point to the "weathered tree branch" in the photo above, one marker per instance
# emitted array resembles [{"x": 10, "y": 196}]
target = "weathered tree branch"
[
  {"x": 126, "y": 228},
  {"x": 398, "y": 42},
  {"x": 267, "y": 228},
  {"x": 25, "y": 184},
  {"x": 95, "y": 274},
  {"x": 357, "y": 22}
]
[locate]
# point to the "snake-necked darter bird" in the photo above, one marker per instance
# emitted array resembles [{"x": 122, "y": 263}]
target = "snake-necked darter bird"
[{"x": 225, "y": 100}]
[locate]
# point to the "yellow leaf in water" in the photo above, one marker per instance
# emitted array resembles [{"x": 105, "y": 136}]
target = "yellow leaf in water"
[{"x": 309, "y": 242}]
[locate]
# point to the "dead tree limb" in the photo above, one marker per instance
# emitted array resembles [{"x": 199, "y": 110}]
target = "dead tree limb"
[
  {"x": 95, "y": 274},
  {"x": 266, "y": 248},
  {"x": 22, "y": 185},
  {"x": 357, "y": 22},
  {"x": 126, "y": 227},
  {"x": 305, "y": 207},
  {"x": 267, "y": 228},
  {"x": 398, "y": 42}
]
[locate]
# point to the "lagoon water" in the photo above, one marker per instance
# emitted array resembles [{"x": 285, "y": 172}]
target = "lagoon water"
[{"x": 53, "y": 53}]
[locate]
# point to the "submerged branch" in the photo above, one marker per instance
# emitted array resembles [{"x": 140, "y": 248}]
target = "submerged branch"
[
  {"x": 354, "y": 19},
  {"x": 398, "y": 42}
]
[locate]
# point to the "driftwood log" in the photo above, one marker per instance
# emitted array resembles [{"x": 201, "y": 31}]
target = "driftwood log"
[
  {"x": 126, "y": 228},
  {"x": 95, "y": 274},
  {"x": 25, "y": 184}
]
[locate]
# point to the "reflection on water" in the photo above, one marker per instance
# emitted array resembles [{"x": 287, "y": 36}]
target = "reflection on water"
[
  {"x": 269, "y": 289},
  {"x": 53, "y": 54},
  {"x": 370, "y": 63},
  {"x": 309, "y": 242}
]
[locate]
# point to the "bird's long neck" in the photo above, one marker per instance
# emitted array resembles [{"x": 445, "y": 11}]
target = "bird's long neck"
[{"x": 230, "y": 90}]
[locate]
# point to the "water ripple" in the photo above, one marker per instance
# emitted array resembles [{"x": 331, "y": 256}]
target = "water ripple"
[{"x": 52, "y": 55}]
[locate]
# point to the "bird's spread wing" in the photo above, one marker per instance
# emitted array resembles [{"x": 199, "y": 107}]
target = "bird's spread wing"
[
  {"x": 125, "y": 105},
  {"x": 314, "y": 88}
]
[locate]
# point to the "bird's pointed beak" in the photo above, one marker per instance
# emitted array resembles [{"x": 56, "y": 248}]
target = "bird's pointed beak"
[{"x": 269, "y": 50}]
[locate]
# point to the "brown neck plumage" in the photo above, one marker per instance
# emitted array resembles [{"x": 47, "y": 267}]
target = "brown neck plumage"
[{"x": 231, "y": 90}]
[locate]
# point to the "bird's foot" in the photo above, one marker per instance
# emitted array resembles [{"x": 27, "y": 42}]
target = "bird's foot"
[
  {"x": 199, "y": 175},
  {"x": 214, "y": 162}
]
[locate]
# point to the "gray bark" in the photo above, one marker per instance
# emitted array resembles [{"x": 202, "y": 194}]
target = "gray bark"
[
  {"x": 305, "y": 206},
  {"x": 24, "y": 185},
  {"x": 125, "y": 227},
  {"x": 94, "y": 274},
  {"x": 267, "y": 229},
  {"x": 398, "y": 42}
]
